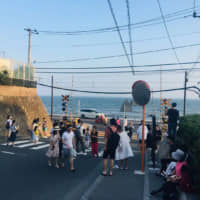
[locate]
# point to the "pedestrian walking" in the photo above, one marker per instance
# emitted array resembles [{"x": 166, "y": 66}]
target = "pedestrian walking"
[
  {"x": 173, "y": 117},
  {"x": 79, "y": 138},
  {"x": 68, "y": 147},
  {"x": 87, "y": 138},
  {"x": 44, "y": 127},
  {"x": 139, "y": 133},
  {"x": 8, "y": 127},
  {"x": 130, "y": 130},
  {"x": 36, "y": 131},
  {"x": 53, "y": 151},
  {"x": 125, "y": 122},
  {"x": 94, "y": 141},
  {"x": 123, "y": 151},
  {"x": 14, "y": 131},
  {"x": 32, "y": 129},
  {"x": 62, "y": 130},
  {"x": 111, "y": 142}
]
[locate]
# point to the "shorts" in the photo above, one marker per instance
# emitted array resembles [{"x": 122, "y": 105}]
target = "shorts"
[
  {"x": 44, "y": 128},
  {"x": 67, "y": 152},
  {"x": 109, "y": 153},
  {"x": 35, "y": 137}
]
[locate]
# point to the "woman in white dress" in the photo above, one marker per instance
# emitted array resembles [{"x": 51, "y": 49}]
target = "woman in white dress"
[{"x": 123, "y": 151}]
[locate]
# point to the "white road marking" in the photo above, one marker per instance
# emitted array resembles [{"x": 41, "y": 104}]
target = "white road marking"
[
  {"x": 139, "y": 172},
  {"x": 8, "y": 152},
  {"x": 93, "y": 186},
  {"x": 18, "y": 142},
  {"x": 28, "y": 145},
  {"x": 101, "y": 153},
  {"x": 40, "y": 147}
]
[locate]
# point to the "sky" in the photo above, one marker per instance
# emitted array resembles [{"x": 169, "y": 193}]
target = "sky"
[{"x": 71, "y": 15}]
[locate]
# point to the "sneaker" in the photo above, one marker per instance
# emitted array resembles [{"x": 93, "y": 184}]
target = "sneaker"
[
  {"x": 116, "y": 167},
  {"x": 84, "y": 153}
]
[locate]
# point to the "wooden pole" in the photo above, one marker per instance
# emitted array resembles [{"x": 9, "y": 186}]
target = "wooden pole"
[
  {"x": 143, "y": 145},
  {"x": 51, "y": 97}
]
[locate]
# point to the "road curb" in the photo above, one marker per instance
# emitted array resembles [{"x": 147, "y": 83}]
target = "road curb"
[{"x": 146, "y": 178}]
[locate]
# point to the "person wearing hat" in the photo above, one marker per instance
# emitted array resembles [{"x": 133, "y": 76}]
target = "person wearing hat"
[
  {"x": 111, "y": 141},
  {"x": 169, "y": 187},
  {"x": 173, "y": 117},
  {"x": 53, "y": 151}
]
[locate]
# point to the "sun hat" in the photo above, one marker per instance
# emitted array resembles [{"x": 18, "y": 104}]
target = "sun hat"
[
  {"x": 178, "y": 155},
  {"x": 56, "y": 128}
]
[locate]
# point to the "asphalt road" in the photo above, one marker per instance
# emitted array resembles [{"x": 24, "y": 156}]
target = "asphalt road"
[{"x": 25, "y": 176}]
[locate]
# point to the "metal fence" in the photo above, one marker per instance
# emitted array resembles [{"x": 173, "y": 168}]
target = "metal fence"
[
  {"x": 17, "y": 70},
  {"x": 17, "y": 82}
]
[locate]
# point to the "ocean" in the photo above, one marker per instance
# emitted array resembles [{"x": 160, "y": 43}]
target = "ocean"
[{"x": 110, "y": 106}]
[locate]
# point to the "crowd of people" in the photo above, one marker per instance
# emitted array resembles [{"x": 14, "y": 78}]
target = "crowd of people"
[
  {"x": 66, "y": 142},
  {"x": 173, "y": 158}
]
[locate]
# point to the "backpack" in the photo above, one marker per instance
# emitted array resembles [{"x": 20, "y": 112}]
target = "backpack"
[{"x": 7, "y": 124}]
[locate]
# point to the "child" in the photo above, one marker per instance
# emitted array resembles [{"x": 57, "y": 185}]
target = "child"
[
  {"x": 87, "y": 138},
  {"x": 53, "y": 151},
  {"x": 94, "y": 141},
  {"x": 14, "y": 132},
  {"x": 36, "y": 134}
]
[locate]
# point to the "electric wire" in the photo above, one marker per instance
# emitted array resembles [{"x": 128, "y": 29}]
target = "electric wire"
[
  {"x": 135, "y": 41},
  {"x": 167, "y": 31},
  {"x": 129, "y": 31},
  {"x": 122, "y": 27},
  {"x": 119, "y": 33},
  {"x": 113, "y": 56},
  {"x": 104, "y": 92},
  {"x": 116, "y": 67},
  {"x": 115, "y": 72}
]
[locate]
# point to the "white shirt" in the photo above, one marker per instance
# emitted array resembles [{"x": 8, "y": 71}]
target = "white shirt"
[
  {"x": 81, "y": 130},
  {"x": 9, "y": 121},
  {"x": 68, "y": 138},
  {"x": 125, "y": 122},
  {"x": 170, "y": 168},
  {"x": 139, "y": 132}
]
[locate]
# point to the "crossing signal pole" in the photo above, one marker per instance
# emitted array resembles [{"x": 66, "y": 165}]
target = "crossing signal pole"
[
  {"x": 185, "y": 90},
  {"x": 65, "y": 100}
]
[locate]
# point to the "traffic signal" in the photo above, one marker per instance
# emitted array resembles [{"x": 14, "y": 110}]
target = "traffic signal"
[{"x": 65, "y": 99}]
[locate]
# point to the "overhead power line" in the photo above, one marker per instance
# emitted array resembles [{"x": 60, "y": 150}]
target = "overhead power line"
[
  {"x": 167, "y": 31},
  {"x": 135, "y": 41},
  {"x": 116, "y": 67},
  {"x": 157, "y": 20},
  {"x": 119, "y": 33},
  {"x": 114, "y": 56},
  {"x": 104, "y": 92},
  {"x": 114, "y": 72},
  {"x": 130, "y": 32}
]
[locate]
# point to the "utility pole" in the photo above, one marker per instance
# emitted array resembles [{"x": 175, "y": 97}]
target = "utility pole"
[
  {"x": 30, "y": 31},
  {"x": 51, "y": 97},
  {"x": 185, "y": 90}
]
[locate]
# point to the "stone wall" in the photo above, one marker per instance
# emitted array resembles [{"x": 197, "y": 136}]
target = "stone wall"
[{"x": 24, "y": 105}]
